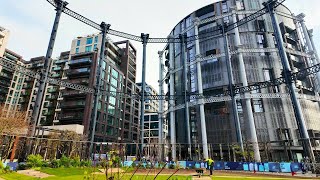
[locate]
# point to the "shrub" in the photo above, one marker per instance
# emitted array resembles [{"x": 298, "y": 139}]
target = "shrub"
[
  {"x": 55, "y": 163},
  {"x": 75, "y": 162},
  {"x": 1, "y": 165},
  {"x": 65, "y": 161},
  {"x": 85, "y": 163},
  {"x": 7, "y": 169},
  {"x": 171, "y": 166},
  {"x": 34, "y": 160},
  {"x": 23, "y": 166}
]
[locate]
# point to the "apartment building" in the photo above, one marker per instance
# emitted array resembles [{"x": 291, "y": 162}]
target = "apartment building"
[
  {"x": 150, "y": 105},
  {"x": 270, "y": 119},
  {"x": 4, "y": 36},
  {"x": 11, "y": 83}
]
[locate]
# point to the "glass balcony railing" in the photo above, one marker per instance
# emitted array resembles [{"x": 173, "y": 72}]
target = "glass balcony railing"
[
  {"x": 60, "y": 61},
  {"x": 71, "y": 116},
  {"x": 56, "y": 68},
  {"x": 52, "y": 90},
  {"x": 78, "y": 71},
  {"x": 73, "y": 104},
  {"x": 80, "y": 62},
  {"x": 56, "y": 75},
  {"x": 73, "y": 93}
]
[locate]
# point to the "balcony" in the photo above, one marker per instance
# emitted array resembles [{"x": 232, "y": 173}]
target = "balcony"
[
  {"x": 52, "y": 97},
  {"x": 83, "y": 81},
  {"x": 80, "y": 62},
  {"x": 78, "y": 72},
  {"x": 3, "y": 91},
  {"x": 58, "y": 68},
  {"x": 57, "y": 75},
  {"x": 49, "y": 105},
  {"x": 73, "y": 105},
  {"x": 48, "y": 113},
  {"x": 53, "y": 90},
  {"x": 38, "y": 65},
  {"x": 71, "y": 93},
  {"x": 27, "y": 86},
  {"x": 5, "y": 76},
  {"x": 61, "y": 61},
  {"x": 71, "y": 116},
  {"x": 28, "y": 79},
  {"x": 26, "y": 93}
]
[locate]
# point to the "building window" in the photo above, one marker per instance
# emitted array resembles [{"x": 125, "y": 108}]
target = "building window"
[
  {"x": 224, "y": 7},
  {"x": 239, "y": 106},
  {"x": 112, "y": 100},
  {"x": 257, "y": 105},
  {"x": 240, "y": 5},
  {"x": 89, "y": 40},
  {"x": 88, "y": 48},
  {"x": 94, "y": 47},
  {"x": 78, "y": 42},
  {"x": 77, "y": 50},
  {"x": 96, "y": 39},
  {"x": 114, "y": 82},
  {"x": 115, "y": 73}
]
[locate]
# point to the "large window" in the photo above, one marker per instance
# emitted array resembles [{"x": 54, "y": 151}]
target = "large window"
[
  {"x": 114, "y": 82},
  {"x": 115, "y": 73},
  {"x": 112, "y": 100},
  {"x": 88, "y": 48},
  {"x": 89, "y": 40}
]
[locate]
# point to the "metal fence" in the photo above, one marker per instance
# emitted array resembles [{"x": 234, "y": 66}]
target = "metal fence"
[{"x": 15, "y": 147}]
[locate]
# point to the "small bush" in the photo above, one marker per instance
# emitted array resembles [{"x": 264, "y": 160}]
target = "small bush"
[
  {"x": 23, "y": 166},
  {"x": 35, "y": 160},
  {"x": 65, "y": 161},
  {"x": 85, "y": 163},
  {"x": 55, "y": 163},
  {"x": 1, "y": 165},
  {"x": 75, "y": 162},
  {"x": 133, "y": 165},
  {"x": 171, "y": 166},
  {"x": 6, "y": 169}
]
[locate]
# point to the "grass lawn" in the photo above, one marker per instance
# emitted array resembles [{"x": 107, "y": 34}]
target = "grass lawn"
[
  {"x": 64, "y": 172},
  {"x": 245, "y": 178},
  {"x": 15, "y": 176}
]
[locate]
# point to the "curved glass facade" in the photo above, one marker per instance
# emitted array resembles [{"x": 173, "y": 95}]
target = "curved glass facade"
[{"x": 274, "y": 117}]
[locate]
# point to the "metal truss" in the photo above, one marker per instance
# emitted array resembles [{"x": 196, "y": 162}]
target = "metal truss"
[
  {"x": 10, "y": 65},
  {"x": 209, "y": 100},
  {"x": 216, "y": 31}
]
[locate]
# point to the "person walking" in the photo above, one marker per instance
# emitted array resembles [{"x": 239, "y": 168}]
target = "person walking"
[{"x": 210, "y": 164}]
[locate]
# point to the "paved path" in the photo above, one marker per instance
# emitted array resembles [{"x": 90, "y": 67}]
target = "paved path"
[{"x": 33, "y": 173}]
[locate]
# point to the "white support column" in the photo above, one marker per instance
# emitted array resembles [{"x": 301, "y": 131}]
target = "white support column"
[
  {"x": 200, "y": 90},
  {"x": 161, "y": 92},
  {"x": 243, "y": 77},
  {"x": 172, "y": 103}
]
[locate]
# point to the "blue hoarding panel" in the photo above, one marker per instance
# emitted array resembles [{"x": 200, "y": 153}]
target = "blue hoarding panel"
[
  {"x": 295, "y": 167},
  {"x": 218, "y": 165},
  {"x": 274, "y": 167},
  {"x": 237, "y": 166},
  {"x": 285, "y": 167},
  {"x": 182, "y": 164}
]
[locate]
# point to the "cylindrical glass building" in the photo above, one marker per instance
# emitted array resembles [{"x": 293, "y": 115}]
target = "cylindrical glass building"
[{"x": 266, "y": 115}]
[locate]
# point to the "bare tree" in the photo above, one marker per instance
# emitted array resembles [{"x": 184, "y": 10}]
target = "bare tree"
[{"x": 12, "y": 125}]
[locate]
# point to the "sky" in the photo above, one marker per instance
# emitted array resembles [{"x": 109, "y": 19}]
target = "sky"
[{"x": 30, "y": 23}]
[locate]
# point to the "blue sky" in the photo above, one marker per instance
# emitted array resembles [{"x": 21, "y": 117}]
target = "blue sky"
[{"x": 30, "y": 22}]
